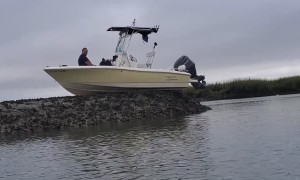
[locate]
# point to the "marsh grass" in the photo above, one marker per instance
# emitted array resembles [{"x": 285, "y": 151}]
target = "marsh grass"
[{"x": 243, "y": 88}]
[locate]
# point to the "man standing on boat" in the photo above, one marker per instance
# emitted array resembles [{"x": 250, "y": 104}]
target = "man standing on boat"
[{"x": 83, "y": 60}]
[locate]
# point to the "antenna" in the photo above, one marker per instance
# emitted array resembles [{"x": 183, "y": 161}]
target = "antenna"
[{"x": 132, "y": 25}]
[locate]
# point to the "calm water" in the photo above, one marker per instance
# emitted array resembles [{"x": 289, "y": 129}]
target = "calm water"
[{"x": 256, "y": 138}]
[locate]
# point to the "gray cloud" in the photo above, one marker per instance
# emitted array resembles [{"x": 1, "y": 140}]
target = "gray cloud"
[{"x": 220, "y": 36}]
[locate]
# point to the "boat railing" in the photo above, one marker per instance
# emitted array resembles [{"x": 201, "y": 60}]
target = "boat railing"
[{"x": 132, "y": 58}]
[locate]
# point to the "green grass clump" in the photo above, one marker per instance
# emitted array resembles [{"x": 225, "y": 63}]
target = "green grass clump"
[{"x": 243, "y": 88}]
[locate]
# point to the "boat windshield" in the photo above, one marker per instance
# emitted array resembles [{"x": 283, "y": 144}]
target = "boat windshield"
[
  {"x": 123, "y": 42},
  {"x": 120, "y": 45}
]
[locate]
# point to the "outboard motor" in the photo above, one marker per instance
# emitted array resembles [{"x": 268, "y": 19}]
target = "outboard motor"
[{"x": 190, "y": 68}]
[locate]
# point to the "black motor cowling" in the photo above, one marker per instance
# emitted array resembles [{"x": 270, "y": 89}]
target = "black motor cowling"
[{"x": 190, "y": 68}]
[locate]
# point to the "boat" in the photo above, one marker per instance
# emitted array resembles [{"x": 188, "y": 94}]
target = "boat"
[{"x": 124, "y": 72}]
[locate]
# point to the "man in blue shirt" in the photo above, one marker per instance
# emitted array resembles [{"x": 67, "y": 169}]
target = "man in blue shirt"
[{"x": 83, "y": 60}]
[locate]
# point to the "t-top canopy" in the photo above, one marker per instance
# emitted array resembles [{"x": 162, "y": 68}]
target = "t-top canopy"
[{"x": 144, "y": 31}]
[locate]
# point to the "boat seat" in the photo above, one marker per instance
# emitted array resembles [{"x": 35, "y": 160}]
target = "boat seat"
[
  {"x": 142, "y": 66},
  {"x": 150, "y": 56}
]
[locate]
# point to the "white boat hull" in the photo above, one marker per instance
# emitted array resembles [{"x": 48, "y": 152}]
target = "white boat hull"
[{"x": 88, "y": 80}]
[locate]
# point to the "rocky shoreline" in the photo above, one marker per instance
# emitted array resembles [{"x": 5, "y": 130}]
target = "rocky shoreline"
[{"x": 76, "y": 111}]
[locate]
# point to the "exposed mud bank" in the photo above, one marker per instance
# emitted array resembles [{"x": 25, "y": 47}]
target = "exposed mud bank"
[{"x": 75, "y": 111}]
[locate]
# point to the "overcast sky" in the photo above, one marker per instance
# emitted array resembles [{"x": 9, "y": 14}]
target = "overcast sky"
[{"x": 227, "y": 39}]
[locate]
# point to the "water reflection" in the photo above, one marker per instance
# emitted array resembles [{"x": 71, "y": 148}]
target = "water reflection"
[
  {"x": 167, "y": 148},
  {"x": 137, "y": 149}
]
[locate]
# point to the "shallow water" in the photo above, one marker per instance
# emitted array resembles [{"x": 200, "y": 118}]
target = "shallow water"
[{"x": 255, "y": 138}]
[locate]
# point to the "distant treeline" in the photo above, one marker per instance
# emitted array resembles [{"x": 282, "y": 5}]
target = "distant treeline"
[{"x": 244, "y": 88}]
